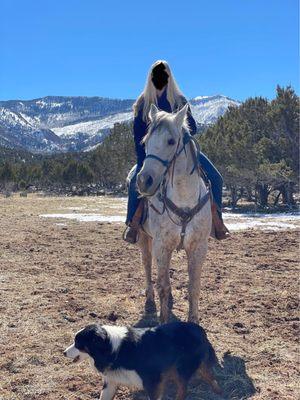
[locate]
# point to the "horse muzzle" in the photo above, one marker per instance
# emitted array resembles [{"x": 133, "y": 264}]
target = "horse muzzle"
[{"x": 146, "y": 184}]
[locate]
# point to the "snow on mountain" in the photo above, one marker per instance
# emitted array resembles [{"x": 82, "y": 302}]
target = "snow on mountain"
[
  {"x": 207, "y": 109},
  {"x": 17, "y": 131},
  {"x": 57, "y": 111},
  {"x": 57, "y": 123},
  {"x": 94, "y": 126}
]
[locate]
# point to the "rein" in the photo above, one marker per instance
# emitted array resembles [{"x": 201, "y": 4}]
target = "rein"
[{"x": 185, "y": 215}]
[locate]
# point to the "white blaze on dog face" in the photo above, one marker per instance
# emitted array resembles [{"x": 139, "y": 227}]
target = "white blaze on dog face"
[
  {"x": 72, "y": 352},
  {"x": 75, "y": 354}
]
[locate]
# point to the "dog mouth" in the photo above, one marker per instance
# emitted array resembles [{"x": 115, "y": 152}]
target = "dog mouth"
[{"x": 76, "y": 359}]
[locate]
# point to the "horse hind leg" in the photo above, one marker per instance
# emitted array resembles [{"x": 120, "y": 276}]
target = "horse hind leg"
[
  {"x": 196, "y": 258},
  {"x": 145, "y": 246}
]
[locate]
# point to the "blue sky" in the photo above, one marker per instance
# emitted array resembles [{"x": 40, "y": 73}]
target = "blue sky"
[{"x": 239, "y": 48}]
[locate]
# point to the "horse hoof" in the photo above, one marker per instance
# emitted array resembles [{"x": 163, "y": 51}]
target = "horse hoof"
[{"x": 150, "y": 307}]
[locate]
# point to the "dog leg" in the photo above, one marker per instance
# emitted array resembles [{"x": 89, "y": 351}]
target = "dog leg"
[
  {"x": 207, "y": 375},
  {"x": 154, "y": 391},
  {"x": 108, "y": 391}
]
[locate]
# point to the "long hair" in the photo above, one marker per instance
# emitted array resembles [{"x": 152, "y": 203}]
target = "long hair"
[{"x": 148, "y": 95}]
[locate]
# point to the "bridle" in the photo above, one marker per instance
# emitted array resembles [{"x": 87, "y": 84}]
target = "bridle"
[
  {"x": 167, "y": 163},
  {"x": 184, "y": 215}
]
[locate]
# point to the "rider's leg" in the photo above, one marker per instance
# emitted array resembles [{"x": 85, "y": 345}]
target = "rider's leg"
[
  {"x": 134, "y": 211},
  {"x": 216, "y": 180}
]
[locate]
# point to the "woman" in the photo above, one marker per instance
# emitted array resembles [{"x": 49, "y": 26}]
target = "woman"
[{"x": 162, "y": 90}]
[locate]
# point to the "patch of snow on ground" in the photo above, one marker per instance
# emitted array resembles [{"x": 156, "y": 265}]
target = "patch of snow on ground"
[
  {"x": 234, "y": 222},
  {"x": 274, "y": 222},
  {"x": 87, "y": 217}
]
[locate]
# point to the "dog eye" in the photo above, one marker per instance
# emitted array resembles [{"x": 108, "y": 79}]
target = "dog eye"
[{"x": 171, "y": 142}]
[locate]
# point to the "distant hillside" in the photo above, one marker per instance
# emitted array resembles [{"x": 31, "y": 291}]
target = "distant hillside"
[
  {"x": 59, "y": 124},
  {"x": 15, "y": 155}
]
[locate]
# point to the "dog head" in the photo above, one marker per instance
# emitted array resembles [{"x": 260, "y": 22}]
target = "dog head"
[{"x": 90, "y": 342}]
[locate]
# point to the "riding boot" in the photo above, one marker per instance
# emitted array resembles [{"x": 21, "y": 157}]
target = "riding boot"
[
  {"x": 131, "y": 232},
  {"x": 220, "y": 230}
]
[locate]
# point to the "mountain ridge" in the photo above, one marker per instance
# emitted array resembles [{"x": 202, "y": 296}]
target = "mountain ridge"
[{"x": 77, "y": 123}]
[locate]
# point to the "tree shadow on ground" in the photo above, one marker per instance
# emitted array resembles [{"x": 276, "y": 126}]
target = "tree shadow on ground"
[{"x": 230, "y": 373}]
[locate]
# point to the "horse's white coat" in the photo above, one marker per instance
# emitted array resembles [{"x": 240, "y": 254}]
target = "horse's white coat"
[{"x": 184, "y": 192}]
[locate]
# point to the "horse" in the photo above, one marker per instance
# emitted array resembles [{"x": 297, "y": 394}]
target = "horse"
[{"x": 179, "y": 208}]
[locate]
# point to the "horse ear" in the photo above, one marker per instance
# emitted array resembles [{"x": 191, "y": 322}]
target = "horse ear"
[
  {"x": 153, "y": 111},
  {"x": 180, "y": 116}
]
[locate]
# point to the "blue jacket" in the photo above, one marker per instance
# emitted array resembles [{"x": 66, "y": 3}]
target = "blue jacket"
[{"x": 140, "y": 126}]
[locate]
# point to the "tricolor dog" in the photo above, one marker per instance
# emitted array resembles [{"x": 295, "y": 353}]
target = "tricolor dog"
[{"x": 146, "y": 358}]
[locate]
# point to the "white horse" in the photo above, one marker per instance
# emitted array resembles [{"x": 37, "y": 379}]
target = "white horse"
[{"x": 179, "y": 213}]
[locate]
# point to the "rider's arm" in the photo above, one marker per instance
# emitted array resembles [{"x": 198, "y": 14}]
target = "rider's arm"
[{"x": 139, "y": 131}]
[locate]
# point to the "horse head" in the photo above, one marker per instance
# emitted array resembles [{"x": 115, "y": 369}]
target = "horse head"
[{"x": 165, "y": 133}]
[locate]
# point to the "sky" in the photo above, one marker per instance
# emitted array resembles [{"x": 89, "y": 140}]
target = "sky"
[{"x": 239, "y": 48}]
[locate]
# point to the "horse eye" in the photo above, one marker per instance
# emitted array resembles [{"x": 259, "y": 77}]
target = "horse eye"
[{"x": 171, "y": 142}]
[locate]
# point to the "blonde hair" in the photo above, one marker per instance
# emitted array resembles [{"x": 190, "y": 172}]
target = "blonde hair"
[{"x": 148, "y": 95}]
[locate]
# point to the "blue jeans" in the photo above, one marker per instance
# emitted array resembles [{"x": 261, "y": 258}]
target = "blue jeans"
[
  {"x": 211, "y": 171},
  {"x": 215, "y": 178},
  {"x": 133, "y": 195}
]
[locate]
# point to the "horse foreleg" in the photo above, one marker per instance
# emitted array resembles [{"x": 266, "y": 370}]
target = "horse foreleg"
[
  {"x": 163, "y": 257},
  {"x": 196, "y": 258},
  {"x": 145, "y": 245}
]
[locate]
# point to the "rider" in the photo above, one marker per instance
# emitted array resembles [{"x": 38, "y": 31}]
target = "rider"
[{"x": 162, "y": 90}]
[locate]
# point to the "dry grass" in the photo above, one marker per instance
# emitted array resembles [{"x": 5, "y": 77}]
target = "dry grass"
[{"x": 55, "y": 279}]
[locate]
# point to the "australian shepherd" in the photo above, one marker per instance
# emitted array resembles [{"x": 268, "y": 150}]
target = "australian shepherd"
[{"x": 146, "y": 358}]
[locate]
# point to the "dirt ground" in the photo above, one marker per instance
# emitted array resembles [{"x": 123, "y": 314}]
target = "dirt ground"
[{"x": 56, "y": 278}]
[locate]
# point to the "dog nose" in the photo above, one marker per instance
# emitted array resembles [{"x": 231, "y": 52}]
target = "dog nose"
[{"x": 65, "y": 353}]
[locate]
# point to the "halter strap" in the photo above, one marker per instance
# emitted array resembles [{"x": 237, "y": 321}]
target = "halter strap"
[{"x": 165, "y": 163}]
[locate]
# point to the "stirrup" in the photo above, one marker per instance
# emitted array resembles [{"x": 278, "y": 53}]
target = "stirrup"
[
  {"x": 221, "y": 235},
  {"x": 132, "y": 239}
]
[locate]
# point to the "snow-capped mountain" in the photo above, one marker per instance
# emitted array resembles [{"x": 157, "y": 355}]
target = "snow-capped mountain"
[
  {"x": 207, "y": 109},
  {"x": 58, "y": 124},
  {"x": 16, "y": 130}
]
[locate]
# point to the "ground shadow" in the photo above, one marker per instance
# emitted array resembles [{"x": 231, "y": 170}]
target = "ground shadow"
[
  {"x": 151, "y": 319},
  {"x": 230, "y": 373},
  {"x": 232, "y": 377}
]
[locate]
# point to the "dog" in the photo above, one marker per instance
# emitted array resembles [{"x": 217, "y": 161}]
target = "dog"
[{"x": 146, "y": 358}]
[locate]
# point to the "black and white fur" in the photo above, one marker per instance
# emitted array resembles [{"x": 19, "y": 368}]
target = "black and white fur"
[{"x": 146, "y": 358}]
